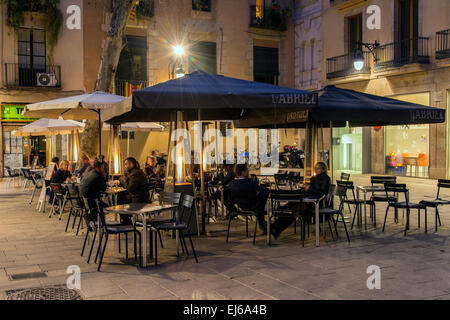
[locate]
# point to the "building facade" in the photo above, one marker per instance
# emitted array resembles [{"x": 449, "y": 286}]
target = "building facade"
[
  {"x": 411, "y": 63},
  {"x": 251, "y": 40}
]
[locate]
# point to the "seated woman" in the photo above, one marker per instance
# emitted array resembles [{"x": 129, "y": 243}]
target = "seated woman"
[
  {"x": 63, "y": 174},
  {"x": 150, "y": 167},
  {"x": 318, "y": 186}
]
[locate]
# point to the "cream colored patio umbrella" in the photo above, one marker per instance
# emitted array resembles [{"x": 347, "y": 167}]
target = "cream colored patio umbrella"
[{"x": 88, "y": 106}]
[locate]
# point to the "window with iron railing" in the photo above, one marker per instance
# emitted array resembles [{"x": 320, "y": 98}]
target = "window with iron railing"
[
  {"x": 443, "y": 44},
  {"x": 201, "y": 5}
]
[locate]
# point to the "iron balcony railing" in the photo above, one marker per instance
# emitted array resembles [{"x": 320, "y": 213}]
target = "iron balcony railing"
[
  {"x": 126, "y": 87},
  {"x": 144, "y": 8},
  {"x": 443, "y": 44},
  {"x": 268, "y": 18},
  {"x": 23, "y": 75},
  {"x": 342, "y": 66},
  {"x": 397, "y": 54}
]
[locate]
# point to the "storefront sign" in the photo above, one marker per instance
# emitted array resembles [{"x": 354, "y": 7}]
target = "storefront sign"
[
  {"x": 11, "y": 112},
  {"x": 421, "y": 115},
  {"x": 297, "y": 116}
]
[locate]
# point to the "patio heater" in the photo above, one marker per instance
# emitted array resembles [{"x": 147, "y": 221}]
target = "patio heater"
[
  {"x": 74, "y": 147},
  {"x": 179, "y": 164},
  {"x": 114, "y": 154}
]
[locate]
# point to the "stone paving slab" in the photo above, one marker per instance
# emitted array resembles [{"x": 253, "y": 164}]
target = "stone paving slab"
[{"x": 413, "y": 267}]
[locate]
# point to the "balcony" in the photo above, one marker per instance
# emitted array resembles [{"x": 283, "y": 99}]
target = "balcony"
[
  {"x": 443, "y": 44},
  {"x": 273, "y": 18},
  {"x": 21, "y": 75},
  {"x": 397, "y": 54},
  {"x": 126, "y": 87},
  {"x": 342, "y": 66}
]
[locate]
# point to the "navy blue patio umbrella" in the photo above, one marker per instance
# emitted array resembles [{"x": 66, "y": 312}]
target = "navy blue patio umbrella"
[
  {"x": 203, "y": 96},
  {"x": 339, "y": 106}
]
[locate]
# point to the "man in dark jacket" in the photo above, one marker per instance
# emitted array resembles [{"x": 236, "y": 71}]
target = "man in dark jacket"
[
  {"x": 93, "y": 185},
  {"x": 135, "y": 182},
  {"x": 249, "y": 195}
]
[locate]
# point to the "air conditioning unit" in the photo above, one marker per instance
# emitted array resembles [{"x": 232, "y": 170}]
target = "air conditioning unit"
[{"x": 46, "y": 79}]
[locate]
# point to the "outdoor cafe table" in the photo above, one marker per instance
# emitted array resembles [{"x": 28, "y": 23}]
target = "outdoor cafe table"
[
  {"x": 365, "y": 190},
  {"x": 143, "y": 210},
  {"x": 316, "y": 203}
]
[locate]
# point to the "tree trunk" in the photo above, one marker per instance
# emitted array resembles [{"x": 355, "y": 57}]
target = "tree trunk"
[{"x": 112, "y": 48}]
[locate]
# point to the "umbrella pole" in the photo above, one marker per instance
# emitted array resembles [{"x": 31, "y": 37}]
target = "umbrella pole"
[
  {"x": 29, "y": 160},
  {"x": 128, "y": 144},
  {"x": 331, "y": 151},
  {"x": 202, "y": 181},
  {"x": 99, "y": 135}
]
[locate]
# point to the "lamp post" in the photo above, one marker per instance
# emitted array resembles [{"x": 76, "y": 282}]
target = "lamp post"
[{"x": 358, "y": 61}]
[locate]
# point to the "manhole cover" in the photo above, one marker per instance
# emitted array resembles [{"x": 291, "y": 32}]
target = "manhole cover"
[{"x": 44, "y": 293}]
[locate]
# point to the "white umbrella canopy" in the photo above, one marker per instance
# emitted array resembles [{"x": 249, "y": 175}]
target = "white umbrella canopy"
[
  {"x": 81, "y": 107},
  {"x": 88, "y": 106},
  {"x": 47, "y": 127},
  {"x": 137, "y": 126}
]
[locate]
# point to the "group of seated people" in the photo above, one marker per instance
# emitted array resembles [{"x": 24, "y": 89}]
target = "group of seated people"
[{"x": 249, "y": 195}]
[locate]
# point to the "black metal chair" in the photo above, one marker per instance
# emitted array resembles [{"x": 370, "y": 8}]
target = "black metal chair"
[
  {"x": 442, "y": 183},
  {"x": 27, "y": 179},
  {"x": 38, "y": 184},
  {"x": 358, "y": 203},
  {"x": 107, "y": 230},
  {"x": 295, "y": 182},
  {"x": 278, "y": 210},
  {"x": 401, "y": 189},
  {"x": 186, "y": 207},
  {"x": 341, "y": 193},
  {"x": 382, "y": 180},
  {"x": 11, "y": 176},
  {"x": 281, "y": 180},
  {"x": 91, "y": 219},
  {"x": 345, "y": 176},
  {"x": 76, "y": 206},
  {"x": 59, "y": 199},
  {"x": 234, "y": 211},
  {"x": 164, "y": 198}
]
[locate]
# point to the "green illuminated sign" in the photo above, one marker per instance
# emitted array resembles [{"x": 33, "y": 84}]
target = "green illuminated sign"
[{"x": 14, "y": 112}]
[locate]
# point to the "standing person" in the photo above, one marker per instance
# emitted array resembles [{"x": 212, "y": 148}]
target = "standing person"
[
  {"x": 102, "y": 160},
  {"x": 249, "y": 195},
  {"x": 318, "y": 186},
  {"x": 135, "y": 182}
]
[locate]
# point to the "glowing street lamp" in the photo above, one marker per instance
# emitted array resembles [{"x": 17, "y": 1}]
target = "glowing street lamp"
[
  {"x": 358, "y": 61},
  {"x": 178, "y": 50}
]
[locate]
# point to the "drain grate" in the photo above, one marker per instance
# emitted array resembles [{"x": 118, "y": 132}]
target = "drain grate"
[
  {"x": 59, "y": 292},
  {"x": 30, "y": 275}
]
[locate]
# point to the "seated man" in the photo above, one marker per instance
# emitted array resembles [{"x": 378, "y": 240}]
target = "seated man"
[
  {"x": 135, "y": 182},
  {"x": 85, "y": 165},
  {"x": 249, "y": 195},
  {"x": 318, "y": 186},
  {"x": 93, "y": 185},
  {"x": 90, "y": 166}
]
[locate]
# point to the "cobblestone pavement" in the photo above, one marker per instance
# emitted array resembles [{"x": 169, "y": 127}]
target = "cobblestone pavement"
[{"x": 413, "y": 267}]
